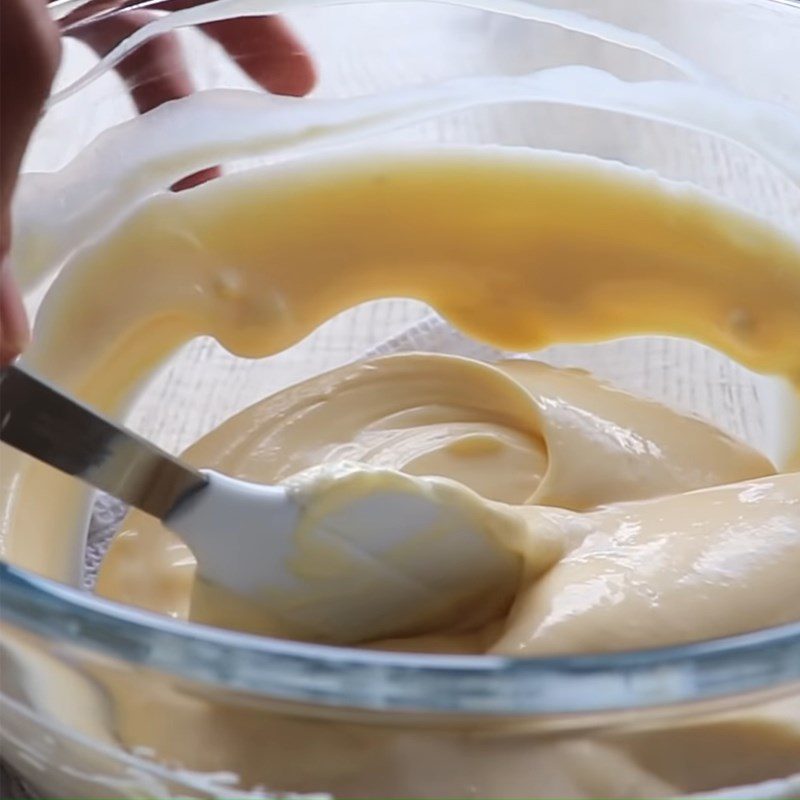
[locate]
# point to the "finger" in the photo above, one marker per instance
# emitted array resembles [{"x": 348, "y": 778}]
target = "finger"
[
  {"x": 155, "y": 72},
  {"x": 30, "y": 49},
  {"x": 198, "y": 178},
  {"x": 264, "y": 47},
  {"x": 267, "y": 50}
]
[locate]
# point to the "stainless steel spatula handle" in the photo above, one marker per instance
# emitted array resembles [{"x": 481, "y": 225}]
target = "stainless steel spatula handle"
[{"x": 39, "y": 420}]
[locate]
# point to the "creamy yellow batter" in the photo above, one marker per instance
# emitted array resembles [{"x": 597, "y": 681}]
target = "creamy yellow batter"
[
  {"x": 618, "y": 574},
  {"x": 658, "y": 527}
]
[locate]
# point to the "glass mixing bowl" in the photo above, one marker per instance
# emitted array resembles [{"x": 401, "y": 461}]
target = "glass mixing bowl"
[{"x": 244, "y": 716}]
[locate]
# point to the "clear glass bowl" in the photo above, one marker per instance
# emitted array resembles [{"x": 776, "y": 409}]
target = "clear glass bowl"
[{"x": 260, "y": 717}]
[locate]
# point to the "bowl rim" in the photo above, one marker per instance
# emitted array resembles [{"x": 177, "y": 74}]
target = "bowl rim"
[{"x": 340, "y": 677}]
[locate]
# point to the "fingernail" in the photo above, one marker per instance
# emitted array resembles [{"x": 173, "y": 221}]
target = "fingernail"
[{"x": 14, "y": 330}]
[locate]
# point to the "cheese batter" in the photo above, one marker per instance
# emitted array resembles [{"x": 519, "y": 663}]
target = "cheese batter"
[
  {"x": 565, "y": 441},
  {"x": 640, "y": 526}
]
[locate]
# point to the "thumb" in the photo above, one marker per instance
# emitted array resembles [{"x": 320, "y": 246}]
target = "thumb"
[{"x": 29, "y": 53}]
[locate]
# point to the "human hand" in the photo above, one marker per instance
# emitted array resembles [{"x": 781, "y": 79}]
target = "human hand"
[{"x": 30, "y": 48}]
